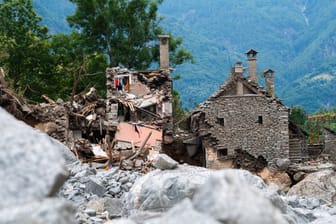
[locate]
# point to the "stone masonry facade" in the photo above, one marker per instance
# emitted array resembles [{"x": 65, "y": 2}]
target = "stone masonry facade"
[
  {"x": 255, "y": 124},
  {"x": 242, "y": 117}
]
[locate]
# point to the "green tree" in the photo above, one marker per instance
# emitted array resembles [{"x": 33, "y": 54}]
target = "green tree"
[
  {"x": 178, "y": 111},
  {"x": 298, "y": 115},
  {"x": 26, "y": 44},
  {"x": 124, "y": 30},
  {"x": 75, "y": 69}
]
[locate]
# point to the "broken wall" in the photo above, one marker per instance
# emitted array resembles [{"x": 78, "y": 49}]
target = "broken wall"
[
  {"x": 53, "y": 119},
  {"x": 148, "y": 95}
]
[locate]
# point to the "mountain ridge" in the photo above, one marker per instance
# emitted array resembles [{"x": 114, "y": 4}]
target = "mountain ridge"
[{"x": 296, "y": 38}]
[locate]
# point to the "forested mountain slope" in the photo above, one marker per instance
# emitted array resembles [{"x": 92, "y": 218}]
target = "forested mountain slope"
[{"x": 296, "y": 38}]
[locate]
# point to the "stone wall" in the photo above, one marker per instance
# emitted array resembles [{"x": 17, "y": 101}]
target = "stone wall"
[
  {"x": 213, "y": 162},
  {"x": 329, "y": 144},
  {"x": 256, "y": 124},
  {"x": 52, "y": 119}
]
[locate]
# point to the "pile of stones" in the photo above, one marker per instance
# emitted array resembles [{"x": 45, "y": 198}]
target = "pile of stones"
[{"x": 97, "y": 193}]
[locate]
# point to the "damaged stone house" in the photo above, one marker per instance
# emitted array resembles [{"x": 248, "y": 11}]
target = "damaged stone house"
[{"x": 242, "y": 118}]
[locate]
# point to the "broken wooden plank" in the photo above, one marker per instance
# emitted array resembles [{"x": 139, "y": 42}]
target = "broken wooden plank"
[
  {"x": 48, "y": 100},
  {"x": 141, "y": 147}
]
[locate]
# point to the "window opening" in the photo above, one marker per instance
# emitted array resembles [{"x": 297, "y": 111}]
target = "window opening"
[
  {"x": 260, "y": 120},
  {"x": 220, "y": 121},
  {"x": 222, "y": 153}
]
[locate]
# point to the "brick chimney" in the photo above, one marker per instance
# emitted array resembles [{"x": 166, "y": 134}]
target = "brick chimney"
[
  {"x": 269, "y": 80},
  {"x": 252, "y": 66},
  {"x": 164, "y": 51}
]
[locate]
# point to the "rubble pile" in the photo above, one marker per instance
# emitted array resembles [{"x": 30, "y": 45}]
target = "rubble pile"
[
  {"x": 96, "y": 193},
  {"x": 87, "y": 113},
  {"x": 145, "y": 94},
  {"x": 82, "y": 125},
  {"x": 13, "y": 104}
]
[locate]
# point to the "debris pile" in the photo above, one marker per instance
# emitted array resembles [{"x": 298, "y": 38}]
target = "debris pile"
[
  {"x": 125, "y": 130},
  {"x": 52, "y": 119},
  {"x": 139, "y": 96},
  {"x": 97, "y": 193},
  {"x": 13, "y": 104}
]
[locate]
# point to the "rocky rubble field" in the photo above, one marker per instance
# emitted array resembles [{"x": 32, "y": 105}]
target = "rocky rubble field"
[{"x": 42, "y": 182}]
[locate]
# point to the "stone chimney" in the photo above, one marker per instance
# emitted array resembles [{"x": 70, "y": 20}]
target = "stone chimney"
[
  {"x": 238, "y": 71},
  {"x": 269, "y": 80},
  {"x": 164, "y": 51},
  {"x": 252, "y": 66}
]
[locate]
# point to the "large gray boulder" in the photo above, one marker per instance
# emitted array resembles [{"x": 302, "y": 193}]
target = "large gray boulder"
[
  {"x": 120, "y": 221},
  {"x": 184, "y": 212},
  {"x": 114, "y": 207},
  {"x": 164, "y": 162},
  {"x": 282, "y": 164},
  {"x": 160, "y": 190},
  {"x": 228, "y": 196},
  {"x": 325, "y": 220},
  {"x": 69, "y": 157},
  {"x": 232, "y": 200},
  {"x": 32, "y": 166},
  {"x": 321, "y": 185},
  {"x": 51, "y": 211}
]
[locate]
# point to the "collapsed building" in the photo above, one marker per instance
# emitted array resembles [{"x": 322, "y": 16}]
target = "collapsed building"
[
  {"x": 143, "y": 97},
  {"x": 127, "y": 127}
]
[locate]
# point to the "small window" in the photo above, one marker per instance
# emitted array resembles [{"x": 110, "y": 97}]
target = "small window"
[
  {"x": 220, "y": 121},
  {"x": 123, "y": 82},
  {"x": 222, "y": 153},
  {"x": 260, "y": 119}
]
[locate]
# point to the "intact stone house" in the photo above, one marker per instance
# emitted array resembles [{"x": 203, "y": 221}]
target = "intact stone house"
[{"x": 241, "y": 116}]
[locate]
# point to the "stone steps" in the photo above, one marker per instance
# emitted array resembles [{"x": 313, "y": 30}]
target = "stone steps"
[{"x": 295, "y": 152}]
